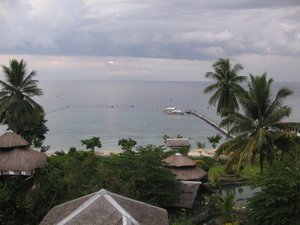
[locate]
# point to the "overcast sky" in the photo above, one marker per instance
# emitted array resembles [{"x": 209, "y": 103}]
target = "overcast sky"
[{"x": 150, "y": 40}]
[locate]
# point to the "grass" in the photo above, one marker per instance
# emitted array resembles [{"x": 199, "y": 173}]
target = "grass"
[{"x": 248, "y": 172}]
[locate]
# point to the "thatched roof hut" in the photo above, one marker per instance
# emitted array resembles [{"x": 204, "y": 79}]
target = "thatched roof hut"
[
  {"x": 12, "y": 140},
  {"x": 184, "y": 167},
  {"x": 177, "y": 142},
  {"x": 179, "y": 160},
  {"x": 106, "y": 208},
  {"x": 189, "y": 174},
  {"x": 20, "y": 161},
  {"x": 16, "y": 158}
]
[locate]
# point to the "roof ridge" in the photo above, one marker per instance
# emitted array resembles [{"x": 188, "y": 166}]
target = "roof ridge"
[
  {"x": 134, "y": 200},
  {"x": 124, "y": 213},
  {"x": 79, "y": 209},
  {"x": 127, "y": 218}
]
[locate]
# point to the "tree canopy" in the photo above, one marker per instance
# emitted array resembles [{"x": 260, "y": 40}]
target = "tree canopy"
[
  {"x": 18, "y": 110},
  {"x": 260, "y": 112},
  {"x": 226, "y": 86}
]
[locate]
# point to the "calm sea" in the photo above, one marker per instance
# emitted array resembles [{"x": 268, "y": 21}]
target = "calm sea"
[{"x": 113, "y": 110}]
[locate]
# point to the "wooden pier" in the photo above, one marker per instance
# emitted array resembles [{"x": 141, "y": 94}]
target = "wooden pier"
[{"x": 210, "y": 122}]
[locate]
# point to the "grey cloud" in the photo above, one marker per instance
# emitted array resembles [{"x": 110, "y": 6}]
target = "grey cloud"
[{"x": 156, "y": 29}]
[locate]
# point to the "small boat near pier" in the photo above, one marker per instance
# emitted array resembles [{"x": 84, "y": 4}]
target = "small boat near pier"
[{"x": 173, "y": 111}]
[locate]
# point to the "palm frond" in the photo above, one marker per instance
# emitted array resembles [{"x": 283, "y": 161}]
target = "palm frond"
[
  {"x": 213, "y": 76},
  {"x": 210, "y": 88}
]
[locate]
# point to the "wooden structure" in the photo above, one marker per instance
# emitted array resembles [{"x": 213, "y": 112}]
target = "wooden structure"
[
  {"x": 188, "y": 191},
  {"x": 184, "y": 168},
  {"x": 16, "y": 158},
  {"x": 106, "y": 208},
  {"x": 190, "y": 177},
  {"x": 178, "y": 143}
]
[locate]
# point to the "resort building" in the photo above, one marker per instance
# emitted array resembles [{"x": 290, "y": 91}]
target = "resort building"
[
  {"x": 178, "y": 142},
  {"x": 105, "y": 208},
  {"x": 190, "y": 177},
  {"x": 185, "y": 168},
  {"x": 16, "y": 158}
]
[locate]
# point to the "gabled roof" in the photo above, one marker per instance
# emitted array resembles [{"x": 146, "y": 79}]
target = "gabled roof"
[
  {"x": 179, "y": 160},
  {"x": 12, "y": 140},
  {"x": 106, "y": 208}
]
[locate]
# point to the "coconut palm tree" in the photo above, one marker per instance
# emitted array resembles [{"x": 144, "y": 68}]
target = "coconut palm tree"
[
  {"x": 261, "y": 111},
  {"x": 17, "y": 108},
  {"x": 227, "y": 85}
]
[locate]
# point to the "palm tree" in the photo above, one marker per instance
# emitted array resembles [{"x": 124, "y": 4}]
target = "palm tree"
[
  {"x": 253, "y": 127},
  {"x": 17, "y": 108},
  {"x": 226, "y": 86}
]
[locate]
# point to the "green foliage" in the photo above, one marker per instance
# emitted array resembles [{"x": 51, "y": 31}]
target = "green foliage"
[
  {"x": 92, "y": 143},
  {"x": 226, "y": 203},
  {"x": 15, "y": 207},
  {"x": 140, "y": 175},
  {"x": 260, "y": 113},
  {"x": 227, "y": 85},
  {"x": 279, "y": 201},
  {"x": 214, "y": 140},
  {"x": 200, "y": 144},
  {"x": 205, "y": 163},
  {"x": 182, "y": 219},
  {"x": 165, "y": 137},
  {"x": 67, "y": 177},
  {"x": 183, "y": 150},
  {"x": 72, "y": 150},
  {"x": 17, "y": 108},
  {"x": 127, "y": 144}
]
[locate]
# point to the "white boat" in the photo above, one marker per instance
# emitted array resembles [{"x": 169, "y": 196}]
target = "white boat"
[
  {"x": 176, "y": 112},
  {"x": 173, "y": 110},
  {"x": 169, "y": 109}
]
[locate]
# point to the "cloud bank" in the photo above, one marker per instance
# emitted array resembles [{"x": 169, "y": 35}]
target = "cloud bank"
[{"x": 156, "y": 32}]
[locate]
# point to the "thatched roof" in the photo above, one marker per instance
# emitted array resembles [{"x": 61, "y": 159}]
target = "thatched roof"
[
  {"x": 177, "y": 142},
  {"x": 179, "y": 160},
  {"x": 21, "y": 159},
  {"x": 187, "y": 194},
  {"x": 106, "y": 208},
  {"x": 12, "y": 140},
  {"x": 189, "y": 173}
]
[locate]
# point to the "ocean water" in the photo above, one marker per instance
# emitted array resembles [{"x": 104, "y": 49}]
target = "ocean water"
[{"x": 113, "y": 110}]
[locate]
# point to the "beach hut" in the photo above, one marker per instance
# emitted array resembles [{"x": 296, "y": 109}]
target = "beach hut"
[
  {"x": 184, "y": 168},
  {"x": 16, "y": 158},
  {"x": 178, "y": 142},
  {"x": 106, "y": 208},
  {"x": 190, "y": 177}
]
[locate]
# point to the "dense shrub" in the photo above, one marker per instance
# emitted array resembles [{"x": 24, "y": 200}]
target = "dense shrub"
[
  {"x": 140, "y": 175},
  {"x": 279, "y": 201}
]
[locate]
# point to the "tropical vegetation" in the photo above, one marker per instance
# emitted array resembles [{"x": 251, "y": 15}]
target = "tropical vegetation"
[
  {"x": 226, "y": 86},
  {"x": 279, "y": 200},
  {"x": 127, "y": 144},
  {"x": 18, "y": 110},
  {"x": 253, "y": 128},
  {"x": 139, "y": 175},
  {"x": 92, "y": 143},
  {"x": 214, "y": 140}
]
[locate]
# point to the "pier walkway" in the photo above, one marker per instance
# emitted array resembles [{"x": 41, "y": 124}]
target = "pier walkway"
[{"x": 212, "y": 123}]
